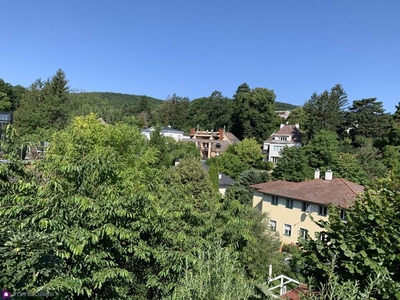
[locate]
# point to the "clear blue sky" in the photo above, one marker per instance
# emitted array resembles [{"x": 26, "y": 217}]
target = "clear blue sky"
[{"x": 192, "y": 48}]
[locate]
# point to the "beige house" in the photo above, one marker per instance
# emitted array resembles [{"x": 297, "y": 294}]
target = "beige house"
[
  {"x": 210, "y": 143},
  {"x": 289, "y": 204},
  {"x": 287, "y": 135}
]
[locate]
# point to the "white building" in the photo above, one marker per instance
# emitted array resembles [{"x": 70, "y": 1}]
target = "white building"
[
  {"x": 287, "y": 135},
  {"x": 166, "y": 131}
]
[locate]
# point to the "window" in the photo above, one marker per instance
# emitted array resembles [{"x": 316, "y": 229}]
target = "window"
[
  {"x": 218, "y": 146},
  {"x": 323, "y": 211},
  {"x": 323, "y": 237},
  {"x": 343, "y": 215},
  {"x": 272, "y": 225},
  {"x": 278, "y": 148},
  {"x": 274, "y": 159},
  {"x": 287, "y": 229},
  {"x": 304, "y": 206},
  {"x": 274, "y": 200},
  {"x": 289, "y": 203},
  {"x": 303, "y": 233}
]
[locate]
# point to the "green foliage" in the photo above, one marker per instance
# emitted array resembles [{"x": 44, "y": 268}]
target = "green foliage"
[
  {"x": 213, "y": 173},
  {"x": 174, "y": 112},
  {"x": 253, "y": 113},
  {"x": 367, "y": 243},
  {"x": 44, "y": 105},
  {"x": 83, "y": 104},
  {"x": 293, "y": 165},
  {"x": 368, "y": 119},
  {"x": 231, "y": 164},
  {"x": 10, "y": 95},
  {"x": 326, "y": 111},
  {"x": 215, "y": 274},
  {"x": 336, "y": 289},
  {"x": 321, "y": 149},
  {"x": 211, "y": 113},
  {"x": 184, "y": 149},
  {"x": 160, "y": 142},
  {"x": 248, "y": 151}
]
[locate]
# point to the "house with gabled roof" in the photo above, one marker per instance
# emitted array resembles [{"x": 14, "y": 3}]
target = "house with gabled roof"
[
  {"x": 289, "y": 204},
  {"x": 287, "y": 135}
]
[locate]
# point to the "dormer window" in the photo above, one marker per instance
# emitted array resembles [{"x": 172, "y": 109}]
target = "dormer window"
[{"x": 218, "y": 146}]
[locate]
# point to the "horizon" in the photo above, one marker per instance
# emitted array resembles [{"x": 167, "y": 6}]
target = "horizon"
[{"x": 157, "y": 49}]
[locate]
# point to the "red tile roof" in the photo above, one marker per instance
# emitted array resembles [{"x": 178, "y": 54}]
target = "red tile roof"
[{"x": 337, "y": 191}]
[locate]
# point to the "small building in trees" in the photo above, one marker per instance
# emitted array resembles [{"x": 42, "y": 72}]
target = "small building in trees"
[
  {"x": 210, "y": 143},
  {"x": 176, "y": 134},
  {"x": 287, "y": 135},
  {"x": 6, "y": 117},
  {"x": 224, "y": 181},
  {"x": 290, "y": 204}
]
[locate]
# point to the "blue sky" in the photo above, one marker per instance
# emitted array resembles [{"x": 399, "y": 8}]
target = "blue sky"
[{"x": 193, "y": 48}]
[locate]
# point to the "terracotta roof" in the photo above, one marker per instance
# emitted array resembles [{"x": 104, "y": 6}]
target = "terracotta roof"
[
  {"x": 286, "y": 130},
  {"x": 337, "y": 191}
]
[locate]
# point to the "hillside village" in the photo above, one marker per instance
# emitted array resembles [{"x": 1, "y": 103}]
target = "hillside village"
[{"x": 142, "y": 196}]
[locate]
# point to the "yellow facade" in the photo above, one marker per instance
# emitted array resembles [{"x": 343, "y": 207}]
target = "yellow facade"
[{"x": 286, "y": 218}]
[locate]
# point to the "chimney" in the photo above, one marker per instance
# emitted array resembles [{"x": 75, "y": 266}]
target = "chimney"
[
  {"x": 316, "y": 174},
  {"x": 297, "y": 125},
  {"x": 192, "y": 131},
  {"x": 219, "y": 176},
  {"x": 328, "y": 175},
  {"x": 282, "y": 125},
  {"x": 221, "y": 133}
]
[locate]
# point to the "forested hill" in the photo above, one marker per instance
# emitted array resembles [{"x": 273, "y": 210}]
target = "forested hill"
[{"x": 121, "y": 100}]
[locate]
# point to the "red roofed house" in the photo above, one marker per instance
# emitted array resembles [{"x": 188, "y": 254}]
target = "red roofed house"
[
  {"x": 289, "y": 203},
  {"x": 287, "y": 135}
]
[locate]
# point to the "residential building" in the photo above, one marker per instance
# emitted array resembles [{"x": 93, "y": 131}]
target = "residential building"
[
  {"x": 210, "y": 143},
  {"x": 177, "y": 135},
  {"x": 224, "y": 180},
  {"x": 289, "y": 204},
  {"x": 284, "y": 114},
  {"x": 287, "y": 135},
  {"x": 6, "y": 117}
]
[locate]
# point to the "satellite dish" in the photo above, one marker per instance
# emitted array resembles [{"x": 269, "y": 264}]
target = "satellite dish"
[{"x": 310, "y": 209}]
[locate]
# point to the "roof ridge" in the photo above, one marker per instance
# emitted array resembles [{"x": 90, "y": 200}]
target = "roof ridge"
[{"x": 343, "y": 180}]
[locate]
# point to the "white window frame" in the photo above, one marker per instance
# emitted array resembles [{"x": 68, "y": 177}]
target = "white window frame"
[
  {"x": 303, "y": 232},
  {"x": 273, "y": 224},
  {"x": 322, "y": 210},
  {"x": 287, "y": 231},
  {"x": 289, "y": 203}
]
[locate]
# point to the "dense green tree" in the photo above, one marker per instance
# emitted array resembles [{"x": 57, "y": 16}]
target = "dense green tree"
[
  {"x": 248, "y": 151},
  {"x": 253, "y": 113},
  {"x": 367, "y": 118},
  {"x": 213, "y": 173},
  {"x": 231, "y": 165},
  {"x": 5, "y": 103},
  {"x": 321, "y": 149},
  {"x": 346, "y": 165},
  {"x": 325, "y": 111},
  {"x": 44, "y": 105},
  {"x": 297, "y": 115},
  {"x": 160, "y": 142},
  {"x": 83, "y": 104},
  {"x": 293, "y": 165},
  {"x": 367, "y": 243},
  {"x": 184, "y": 149},
  {"x": 216, "y": 274},
  {"x": 12, "y": 93},
  {"x": 175, "y": 112}
]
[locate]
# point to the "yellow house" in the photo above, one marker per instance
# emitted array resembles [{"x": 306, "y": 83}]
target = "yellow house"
[{"x": 289, "y": 204}]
